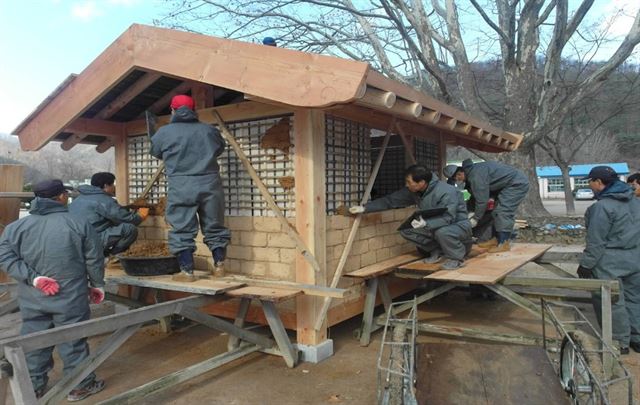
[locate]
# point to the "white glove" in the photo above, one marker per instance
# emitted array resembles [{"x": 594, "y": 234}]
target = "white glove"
[
  {"x": 471, "y": 215},
  {"x": 418, "y": 223},
  {"x": 357, "y": 209},
  {"x": 474, "y": 222}
]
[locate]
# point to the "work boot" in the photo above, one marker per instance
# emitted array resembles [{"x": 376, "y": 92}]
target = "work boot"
[
  {"x": 452, "y": 264},
  {"x": 78, "y": 394},
  {"x": 219, "y": 254},
  {"x": 185, "y": 261},
  {"x": 435, "y": 256},
  {"x": 504, "y": 243},
  {"x": 489, "y": 243}
]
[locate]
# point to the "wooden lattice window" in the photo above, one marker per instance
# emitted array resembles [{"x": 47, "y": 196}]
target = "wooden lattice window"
[
  {"x": 141, "y": 167},
  {"x": 348, "y": 163},
  {"x": 267, "y": 144}
]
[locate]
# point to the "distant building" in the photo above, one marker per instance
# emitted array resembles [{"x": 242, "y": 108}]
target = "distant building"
[{"x": 550, "y": 178}]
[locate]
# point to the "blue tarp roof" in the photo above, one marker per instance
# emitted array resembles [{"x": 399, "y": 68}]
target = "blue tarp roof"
[{"x": 579, "y": 170}]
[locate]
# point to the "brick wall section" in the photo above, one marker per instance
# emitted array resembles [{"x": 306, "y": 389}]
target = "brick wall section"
[{"x": 260, "y": 248}]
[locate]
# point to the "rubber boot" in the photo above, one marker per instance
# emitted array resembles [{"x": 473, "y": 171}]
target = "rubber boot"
[
  {"x": 185, "y": 260},
  {"x": 493, "y": 242},
  {"x": 219, "y": 254},
  {"x": 504, "y": 243}
]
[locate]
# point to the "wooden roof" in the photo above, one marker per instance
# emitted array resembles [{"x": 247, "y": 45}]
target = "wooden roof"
[{"x": 146, "y": 66}]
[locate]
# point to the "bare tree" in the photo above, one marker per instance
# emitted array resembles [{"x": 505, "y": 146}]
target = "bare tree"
[{"x": 422, "y": 43}]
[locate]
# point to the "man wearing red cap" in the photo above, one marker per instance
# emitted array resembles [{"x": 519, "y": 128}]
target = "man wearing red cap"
[{"x": 190, "y": 149}]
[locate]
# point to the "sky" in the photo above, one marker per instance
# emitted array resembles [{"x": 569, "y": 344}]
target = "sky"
[{"x": 43, "y": 41}]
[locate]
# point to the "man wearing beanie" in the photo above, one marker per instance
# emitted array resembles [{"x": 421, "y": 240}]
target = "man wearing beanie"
[
  {"x": 57, "y": 260},
  {"x": 190, "y": 150},
  {"x": 612, "y": 251},
  {"x": 116, "y": 225}
]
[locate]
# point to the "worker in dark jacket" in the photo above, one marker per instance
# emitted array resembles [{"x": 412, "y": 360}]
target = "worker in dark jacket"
[
  {"x": 446, "y": 237},
  {"x": 510, "y": 187},
  {"x": 116, "y": 225},
  {"x": 57, "y": 260},
  {"x": 612, "y": 251},
  {"x": 189, "y": 149},
  {"x": 634, "y": 182}
]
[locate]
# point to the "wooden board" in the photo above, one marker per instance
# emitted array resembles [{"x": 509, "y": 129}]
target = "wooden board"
[
  {"x": 419, "y": 265},
  {"x": 384, "y": 267},
  {"x": 469, "y": 374},
  {"x": 204, "y": 286},
  {"x": 264, "y": 293},
  {"x": 492, "y": 267}
]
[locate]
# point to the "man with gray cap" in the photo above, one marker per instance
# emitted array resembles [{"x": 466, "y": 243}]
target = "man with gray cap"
[
  {"x": 612, "y": 251},
  {"x": 57, "y": 260},
  {"x": 509, "y": 186},
  {"x": 190, "y": 150},
  {"x": 446, "y": 237}
]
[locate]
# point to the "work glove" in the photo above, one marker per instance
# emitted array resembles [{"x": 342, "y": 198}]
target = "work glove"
[
  {"x": 357, "y": 209},
  {"x": 418, "y": 223},
  {"x": 143, "y": 212},
  {"x": 96, "y": 295},
  {"x": 471, "y": 215},
  {"x": 47, "y": 285},
  {"x": 474, "y": 222},
  {"x": 584, "y": 272}
]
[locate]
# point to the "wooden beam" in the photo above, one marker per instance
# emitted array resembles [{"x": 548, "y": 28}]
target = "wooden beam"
[
  {"x": 447, "y": 122},
  {"x": 429, "y": 116},
  {"x": 410, "y": 108},
  {"x": 104, "y": 145},
  {"x": 73, "y": 140},
  {"x": 407, "y": 146},
  {"x": 11, "y": 180},
  {"x": 129, "y": 94},
  {"x": 244, "y": 111},
  {"x": 309, "y": 134},
  {"x": 321, "y": 317},
  {"x": 164, "y": 101},
  {"x": 97, "y": 127},
  {"x": 463, "y": 127},
  {"x": 308, "y": 289},
  {"x": 122, "y": 169},
  {"x": 377, "y": 98},
  {"x": 202, "y": 95}
]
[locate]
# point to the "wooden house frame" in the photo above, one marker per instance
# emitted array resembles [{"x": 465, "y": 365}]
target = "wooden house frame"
[{"x": 237, "y": 82}]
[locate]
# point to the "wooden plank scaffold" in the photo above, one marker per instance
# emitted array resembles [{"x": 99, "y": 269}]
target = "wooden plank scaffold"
[
  {"x": 493, "y": 272},
  {"x": 242, "y": 341}
]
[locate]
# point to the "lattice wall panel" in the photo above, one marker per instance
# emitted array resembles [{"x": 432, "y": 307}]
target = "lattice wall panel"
[
  {"x": 271, "y": 155},
  {"x": 391, "y": 174},
  {"x": 348, "y": 164},
  {"x": 141, "y": 167}
]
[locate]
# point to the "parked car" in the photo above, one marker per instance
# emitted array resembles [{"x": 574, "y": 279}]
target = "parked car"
[{"x": 584, "y": 194}]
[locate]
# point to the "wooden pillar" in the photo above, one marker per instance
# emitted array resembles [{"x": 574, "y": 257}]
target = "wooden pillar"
[
  {"x": 11, "y": 179},
  {"x": 442, "y": 152},
  {"x": 309, "y": 140},
  {"x": 122, "y": 169}
]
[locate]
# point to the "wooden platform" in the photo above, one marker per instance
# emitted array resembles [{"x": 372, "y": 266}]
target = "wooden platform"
[
  {"x": 383, "y": 267},
  {"x": 204, "y": 286},
  {"x": 487, "y": 268},
  {"x": 264, "y": 293}
]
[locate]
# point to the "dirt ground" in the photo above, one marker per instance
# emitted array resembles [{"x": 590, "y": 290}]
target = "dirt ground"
[{"x": 349, "y": 377}]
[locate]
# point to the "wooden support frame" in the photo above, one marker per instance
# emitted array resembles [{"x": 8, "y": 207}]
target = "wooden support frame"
[
  {"x": 321, "y": 317},
  {"x": 309, "y": 134}
]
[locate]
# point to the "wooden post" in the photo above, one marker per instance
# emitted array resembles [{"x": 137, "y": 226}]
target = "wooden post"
[
  {"x": 11, "y": 179},
  {"x": 442, "y": 152},
  {"x": 122, "y": 169},
  {"x": 309, "y": 140}
]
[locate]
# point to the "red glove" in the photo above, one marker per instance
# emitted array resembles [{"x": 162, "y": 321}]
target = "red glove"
[
  {"x": 96, "y": 295},
  {"x": 47, "y": 285}
]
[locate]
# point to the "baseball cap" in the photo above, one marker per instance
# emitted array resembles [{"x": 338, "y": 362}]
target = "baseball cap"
[
  {"x": 602, "y": 173},
  {"x": 50, "y": 188},
  {"x": 182, "y": 100}
]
